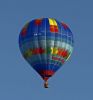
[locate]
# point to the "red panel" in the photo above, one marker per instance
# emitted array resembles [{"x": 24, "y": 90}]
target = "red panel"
[
  {"x": 24, "y": 31},
  {"x": 56, "y": 28},
  {"x": 64, "y": 25},
  {"x": 47, "y": 72},
  {"x": 62, "y": 52},
  {"x": 38, "y": 51},
  {"x": 38, "y": 21},
  {"x": 59, "y": 52},
  {"x": 53, "y": 28}
]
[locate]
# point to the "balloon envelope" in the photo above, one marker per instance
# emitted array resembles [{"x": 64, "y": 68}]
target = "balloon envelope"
[{"x": 46, "y": 44}]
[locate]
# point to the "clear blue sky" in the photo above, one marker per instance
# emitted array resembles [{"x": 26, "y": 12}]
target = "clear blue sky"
[{"x": 72, "y": 82}]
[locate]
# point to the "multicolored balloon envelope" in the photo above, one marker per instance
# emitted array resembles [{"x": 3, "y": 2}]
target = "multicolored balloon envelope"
[{"x": 46, "y": 44}]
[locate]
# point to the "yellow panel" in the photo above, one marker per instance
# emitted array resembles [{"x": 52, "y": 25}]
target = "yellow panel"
[
  {"x": 51, "y": 21},
  {"x": 54, "y": 50},
  {"x": 54, "y": 21}
]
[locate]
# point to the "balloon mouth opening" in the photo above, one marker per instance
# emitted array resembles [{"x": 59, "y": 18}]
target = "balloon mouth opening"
[
  {"x": 45, "y": 78},
  {"x": 46, "y": 74}
]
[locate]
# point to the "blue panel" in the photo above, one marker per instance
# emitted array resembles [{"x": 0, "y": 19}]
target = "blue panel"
[
  {"x": 32, "y": 28},
  {"x": 39, "y": 67},
  {"x": 59, "y": 26},
  {"x": 64, "y": 38},
  {"x": 42, "y": 28}
]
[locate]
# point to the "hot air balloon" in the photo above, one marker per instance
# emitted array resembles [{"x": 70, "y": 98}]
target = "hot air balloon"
[{"x": 46, "y": 44}]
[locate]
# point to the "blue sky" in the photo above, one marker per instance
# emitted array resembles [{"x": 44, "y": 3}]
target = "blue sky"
[{"x": 18, "y": 81}]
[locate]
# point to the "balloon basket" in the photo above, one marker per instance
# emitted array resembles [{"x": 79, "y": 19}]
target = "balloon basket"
[{"x": 46, "y": 84}]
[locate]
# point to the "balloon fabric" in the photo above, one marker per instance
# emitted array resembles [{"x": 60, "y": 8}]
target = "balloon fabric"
[{"x": 46, "y": 44}]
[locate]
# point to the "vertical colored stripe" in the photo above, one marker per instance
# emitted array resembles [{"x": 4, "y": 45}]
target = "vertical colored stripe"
[{"x": 53, "y": 25}]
